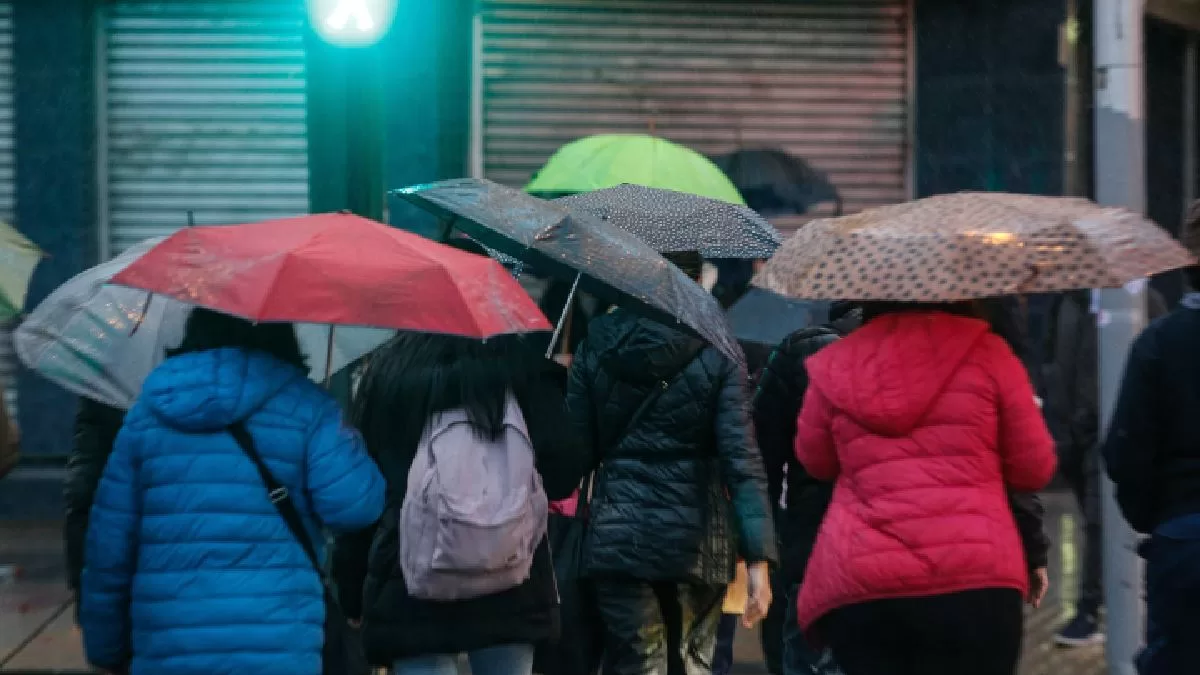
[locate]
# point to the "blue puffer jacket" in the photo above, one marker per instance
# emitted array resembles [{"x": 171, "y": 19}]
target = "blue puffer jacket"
[{"x": 189, "y": 567}]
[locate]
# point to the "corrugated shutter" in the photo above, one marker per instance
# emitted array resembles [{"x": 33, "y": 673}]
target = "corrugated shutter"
[
  {"x": 823, "y": 79},
  {"x": 205, "y": 112},
  {"x": 8, "y": 189}
]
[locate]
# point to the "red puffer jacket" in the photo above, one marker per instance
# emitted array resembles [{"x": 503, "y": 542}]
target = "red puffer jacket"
[{"x": 921, "y": 419}]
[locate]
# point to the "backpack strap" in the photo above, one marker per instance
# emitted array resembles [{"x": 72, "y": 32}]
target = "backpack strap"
[{"x": 277, "y": 492}]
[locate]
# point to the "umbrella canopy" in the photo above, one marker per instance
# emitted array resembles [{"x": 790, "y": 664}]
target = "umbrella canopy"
[
  {"x": 336, "y": 269},
  {"x": 608, "y": 160},
  {"x": 775, "y": 183},
  {"x": 766, "y": 318},
  {"x": 970, "y": 245},
  {"x": 101, "y": 341},
  {"x": 676, "y": 221},
  {"x": 18, "y": 258},
  {"x": 608, "y": 262}
]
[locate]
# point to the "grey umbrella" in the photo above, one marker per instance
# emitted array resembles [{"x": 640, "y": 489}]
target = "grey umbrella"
[
  {"x": 605, "y": 261},
  {"x": 676, "y": 221}
]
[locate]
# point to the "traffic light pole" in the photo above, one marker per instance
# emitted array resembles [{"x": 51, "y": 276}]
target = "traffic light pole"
[
  {"x": 1120, "y": 157},
  {"x": 345, "y": 141}
]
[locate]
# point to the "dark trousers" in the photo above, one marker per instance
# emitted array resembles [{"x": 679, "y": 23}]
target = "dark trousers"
[
  {"x": 1173, "y": 600},
  {"x": 800, "y": 658},
  {"x": 775, "y": 623},
  {"x": 1083, "y": 474},
  {"x": 723, "y": 654},
  {"x": 661, "y": 628},
  {"x": 967, "y": 633}
]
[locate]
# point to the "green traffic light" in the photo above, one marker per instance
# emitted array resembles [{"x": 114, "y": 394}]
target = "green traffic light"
[{"x": 351, "y": 23}]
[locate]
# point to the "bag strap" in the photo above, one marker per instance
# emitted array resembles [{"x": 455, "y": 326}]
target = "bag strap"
[{"x": 277, "y": 492}]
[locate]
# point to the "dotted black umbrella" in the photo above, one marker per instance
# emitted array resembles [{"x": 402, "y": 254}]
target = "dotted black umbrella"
[
  {"x": 672, "y": 221},
  {"x": 605, "y": 261}
]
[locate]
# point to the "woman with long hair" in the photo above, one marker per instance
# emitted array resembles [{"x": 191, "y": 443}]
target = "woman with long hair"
[
  {"x": 411, "y": 384},
  {"x": 188, "y": 566},
  {"x": 922, "y": 418}
]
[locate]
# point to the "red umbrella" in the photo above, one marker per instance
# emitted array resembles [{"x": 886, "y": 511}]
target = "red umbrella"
[{"x": 336, "y": 269}]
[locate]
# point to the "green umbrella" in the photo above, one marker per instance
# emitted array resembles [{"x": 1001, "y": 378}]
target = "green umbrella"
[
  {"x": 18, "y": 257},
  {"x": 608, "y": 160}
]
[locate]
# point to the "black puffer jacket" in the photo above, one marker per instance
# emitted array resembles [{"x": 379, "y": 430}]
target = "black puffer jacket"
[
  {"x": 673, "y": 487},
  {"x": 776, "y": 406},
  {"x": 96, "y": 427}
]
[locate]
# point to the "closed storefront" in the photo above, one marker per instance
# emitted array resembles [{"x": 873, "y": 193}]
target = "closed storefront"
[
  {"x": 203, "y": 115},
  {"x": 825, "y": 80},
  {"x": 8, "y": 187}
]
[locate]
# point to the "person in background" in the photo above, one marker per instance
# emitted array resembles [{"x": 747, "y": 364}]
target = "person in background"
[
  {"x": 411, "y": 382},
  {"x": 1152, "y": 454},
  {"x": 663, "y": 416},
  {"x": 1072, "y": 411},
  {"x": 189, "y": 567},
  {"x": 96, "y": 427},
  {"x": 921, "y": 418}
]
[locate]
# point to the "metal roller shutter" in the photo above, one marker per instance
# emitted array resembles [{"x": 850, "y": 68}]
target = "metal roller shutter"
[
  {"x": 826, "y": 80},
  {"x": 8, "y": 189},
  {"x": 205, "y": 112}
]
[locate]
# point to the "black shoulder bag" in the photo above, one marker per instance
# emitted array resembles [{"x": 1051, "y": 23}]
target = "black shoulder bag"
[{"x": 343, "y": 651}]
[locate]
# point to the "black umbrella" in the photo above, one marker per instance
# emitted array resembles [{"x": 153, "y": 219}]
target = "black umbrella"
[
  {"x": 672, "y": 221},
  {"x": 597, "y": 258},
  {"x": 765, "y": 318},
  {"x": 775, "y": 183}
]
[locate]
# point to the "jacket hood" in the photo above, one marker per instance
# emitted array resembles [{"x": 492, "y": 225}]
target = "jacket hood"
[
  {"x": 210, "y": 390},
  {"x": 640, "y": 350},
  {"x": 887, "y": 374}
]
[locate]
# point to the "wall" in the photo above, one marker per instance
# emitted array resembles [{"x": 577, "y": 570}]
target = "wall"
[
  {"x": 427, "y": 71},
  {"x": 54, "y": 98},
  {"x": 989, "y": 96}
]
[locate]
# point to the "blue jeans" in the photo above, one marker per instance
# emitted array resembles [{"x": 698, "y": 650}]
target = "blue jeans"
[
  {"x": 502, "y": 660},
  {"x": 798, "y": 657},
  {"x": 1172, "y": 596}
]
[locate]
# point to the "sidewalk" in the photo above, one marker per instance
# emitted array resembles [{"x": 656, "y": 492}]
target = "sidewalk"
[{"x": 37, "y": 633}]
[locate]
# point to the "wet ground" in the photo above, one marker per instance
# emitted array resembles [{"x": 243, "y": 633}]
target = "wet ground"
[{"x": 37, "y": 633}]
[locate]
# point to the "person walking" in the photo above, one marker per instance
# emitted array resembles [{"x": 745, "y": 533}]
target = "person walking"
[
  {"x": 189, "y": 567},
  {"x": 1152, "y": 454},
  {"x": 665, "y": 422},
  {"x": 806, "y": 500},
  {"x": 96, "y": 428},
  {"x": 921, "y": 419},
  {"x": 1072, "y": 413},
  {"x": 476, "y": 427}
]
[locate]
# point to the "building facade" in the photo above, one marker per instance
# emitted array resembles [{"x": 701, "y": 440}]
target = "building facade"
[{"x": 125, "y": 119}]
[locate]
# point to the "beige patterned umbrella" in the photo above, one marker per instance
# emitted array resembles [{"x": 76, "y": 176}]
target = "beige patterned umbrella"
[{"x": 970, "y": 245}]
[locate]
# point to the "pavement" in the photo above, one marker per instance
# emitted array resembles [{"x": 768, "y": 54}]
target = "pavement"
[{"x": 37, "y": 633}]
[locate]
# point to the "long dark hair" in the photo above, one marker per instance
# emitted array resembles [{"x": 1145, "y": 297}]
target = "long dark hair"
[
  {"x": 416, "y": 376},
  {"x": 206, "y": 330}
]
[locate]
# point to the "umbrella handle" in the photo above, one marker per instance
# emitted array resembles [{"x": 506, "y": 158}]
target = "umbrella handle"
[
  {"x": 329, "y": 357},
  {"x": 562, "y": 319}
]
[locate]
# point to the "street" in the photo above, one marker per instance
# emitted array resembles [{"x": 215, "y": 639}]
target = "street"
[{"x": 37, "y": 633}]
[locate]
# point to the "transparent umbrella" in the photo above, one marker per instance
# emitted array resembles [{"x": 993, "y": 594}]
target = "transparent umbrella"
[{"x": 101, "y": 341}]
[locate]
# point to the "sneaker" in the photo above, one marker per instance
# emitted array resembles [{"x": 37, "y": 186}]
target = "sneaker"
[{"x": 1084, "y": 630}]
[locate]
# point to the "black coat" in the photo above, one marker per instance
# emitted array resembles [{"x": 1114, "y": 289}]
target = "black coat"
[
  {"x": 397, "y": 625},
  {"x": 96, "y": 427},
  {"x": 1152, "y": 450},
  {"x": 776, "y": 407},
  {"x": 673, "y": 487}
]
